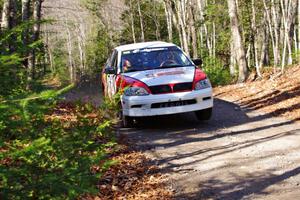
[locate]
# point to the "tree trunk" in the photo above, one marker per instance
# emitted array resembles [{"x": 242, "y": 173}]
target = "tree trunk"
[
  {"x": 5, "y": 21},
  {"x": 81, "y": 54},
  {"x": 254, "y": 39},
  {"x": 276, "y": 29},
  {"x": 132, "y": 22},
  {"x": 265, "y": 44},
  {"x": 141, "y": 21},
  {"x": 25, "y": 19},
  {"x": 193, "y": 30},
  {"x": 200, "y": 18},
  {"x": 169, "y": 15},
  {"x": 72, "y": 71},
  {"x": 175, "y": 22},
  {"x": 35, "y": 37},
  {"x": 49, "y": 51},
  {"x": 237, "y": 41},
  {"x": 232, "y": 64},
  {"x": 287, "y": 10},
  {"x": 182, "y": 23},
  {"x": 273, "y": 38},
  {"x": 156, "y": 21},
  {"x": 214, "y": 41},
  {"x": 208, "y": 43},
  {"x": 25, "y": 10},
  {"x": 37, "y": 15}
]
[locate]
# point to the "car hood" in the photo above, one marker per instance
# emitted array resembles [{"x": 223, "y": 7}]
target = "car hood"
[{"x": 164, "y": 76}]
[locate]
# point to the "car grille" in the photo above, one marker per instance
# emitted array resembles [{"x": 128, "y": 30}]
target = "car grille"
[
  {"x": 182, "y": 87},
  {"x": 174, "y": 103},
  {"x": 179, "y": 87},
  {"x": 160, "y": 89}
]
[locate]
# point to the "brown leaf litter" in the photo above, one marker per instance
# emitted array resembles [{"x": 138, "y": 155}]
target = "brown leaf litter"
[
  {"x": 278, "y": 96},
  {"x": 134, "y": 177}
]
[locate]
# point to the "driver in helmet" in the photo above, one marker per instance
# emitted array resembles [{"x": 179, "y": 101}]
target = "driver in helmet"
[{"x": 126, "y": 65}]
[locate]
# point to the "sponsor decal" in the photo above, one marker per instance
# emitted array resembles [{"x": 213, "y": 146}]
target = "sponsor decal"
[{"x": 167, "y": 73}]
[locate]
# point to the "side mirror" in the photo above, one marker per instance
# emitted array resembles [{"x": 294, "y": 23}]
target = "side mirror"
[
  {"x": 109, "y": 70},
  {"x": 197, "y": 61}
]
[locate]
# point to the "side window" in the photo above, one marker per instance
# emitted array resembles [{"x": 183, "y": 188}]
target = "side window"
[
  {"x": 110, "y": 60},
  {"x": 107, "y": 63},
  {"x": 114, "y": 60}
]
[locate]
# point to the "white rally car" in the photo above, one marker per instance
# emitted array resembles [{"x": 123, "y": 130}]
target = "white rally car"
[{"x": 156, "y": 78}]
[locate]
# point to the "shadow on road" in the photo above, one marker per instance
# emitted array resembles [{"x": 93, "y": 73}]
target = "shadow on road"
[
  {"x": 245, "y": 188},
  {"x": 181, "y": 126},
  {"x": 181, "y": 144},
  {"x": 205, "y": 158}
]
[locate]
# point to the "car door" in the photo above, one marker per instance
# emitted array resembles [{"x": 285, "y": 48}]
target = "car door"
[{"x": 111, "y": 78}]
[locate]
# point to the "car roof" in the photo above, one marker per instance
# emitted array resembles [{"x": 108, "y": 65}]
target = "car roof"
[{"x": 144, "y": 45}]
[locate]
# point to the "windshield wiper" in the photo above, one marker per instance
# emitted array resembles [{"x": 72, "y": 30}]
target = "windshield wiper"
[
  {"x": 168, "y": 66},
  {"x": 132, "y": 70}
]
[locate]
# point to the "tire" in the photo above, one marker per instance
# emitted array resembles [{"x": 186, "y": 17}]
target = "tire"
[
  {"x": 203, "y": 115},
  {"x": 125, "y": 121}
]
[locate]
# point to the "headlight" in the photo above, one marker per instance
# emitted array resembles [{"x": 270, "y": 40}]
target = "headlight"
[
  {"x": 203, "y": 84},
  {"x": 136, "y": 91}
]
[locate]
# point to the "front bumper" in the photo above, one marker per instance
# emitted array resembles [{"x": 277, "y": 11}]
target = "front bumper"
[{"x": 166, "y": 104}]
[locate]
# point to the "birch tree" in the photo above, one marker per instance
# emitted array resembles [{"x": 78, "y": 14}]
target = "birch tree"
[
  {"x": 254, "y": 39},
  {"x": 193, "y": 30},
  {"x": 181, "y": 11},
  {"x": 132, "y": 21},
  {"x": 169, "y": 16},
  {"x": 5, "y": 19},
  {"x": 238, "y": 47},
  {"x": 285, "y": 7},
  {"x": 141, "y": 21},
  {"x": 72, "y": 70}
]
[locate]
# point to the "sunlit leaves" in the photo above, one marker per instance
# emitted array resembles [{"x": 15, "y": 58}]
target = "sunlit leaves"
[{"x": 52, "y": 150}]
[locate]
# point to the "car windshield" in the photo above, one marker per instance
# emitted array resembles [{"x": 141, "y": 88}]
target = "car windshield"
[{"x": 153, "y": 58}]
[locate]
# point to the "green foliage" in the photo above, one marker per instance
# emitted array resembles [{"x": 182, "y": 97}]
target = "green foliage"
[
  {"x": 97, "y": 50},
  {"x": 296, "y": 56},
  {"x": 215, "y": 16},
  {"x": 13, "y": 53},
  {"x": 100, "y": 42},
  {"x": 11, "y": 72},
  {"x": 45, "y": 154},
  {"x": 60, "y": 69},
  {"x": 217, "y": 73}
]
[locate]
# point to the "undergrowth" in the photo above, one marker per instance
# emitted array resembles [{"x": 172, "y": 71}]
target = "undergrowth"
[
  {"x": 50, "y": 149},
  {"x": 217, "y": 73}
]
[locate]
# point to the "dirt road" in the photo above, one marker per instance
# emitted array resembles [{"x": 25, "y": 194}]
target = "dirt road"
[
  {"x": 87, "y": 91},
  {"x": 236, "y": 155}
]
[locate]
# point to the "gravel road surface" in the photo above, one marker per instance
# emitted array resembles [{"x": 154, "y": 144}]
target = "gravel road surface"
[{"x": 238, "y": 154}]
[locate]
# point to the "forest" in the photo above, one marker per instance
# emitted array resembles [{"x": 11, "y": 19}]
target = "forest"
[
  {"x": 48, "y": 47},
  {"x": 72, "y": 39}
]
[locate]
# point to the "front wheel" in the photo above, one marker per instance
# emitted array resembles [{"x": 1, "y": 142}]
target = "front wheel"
[
  {"x": 203, "y": 115},
  {"x": 125, "y": 121}
]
